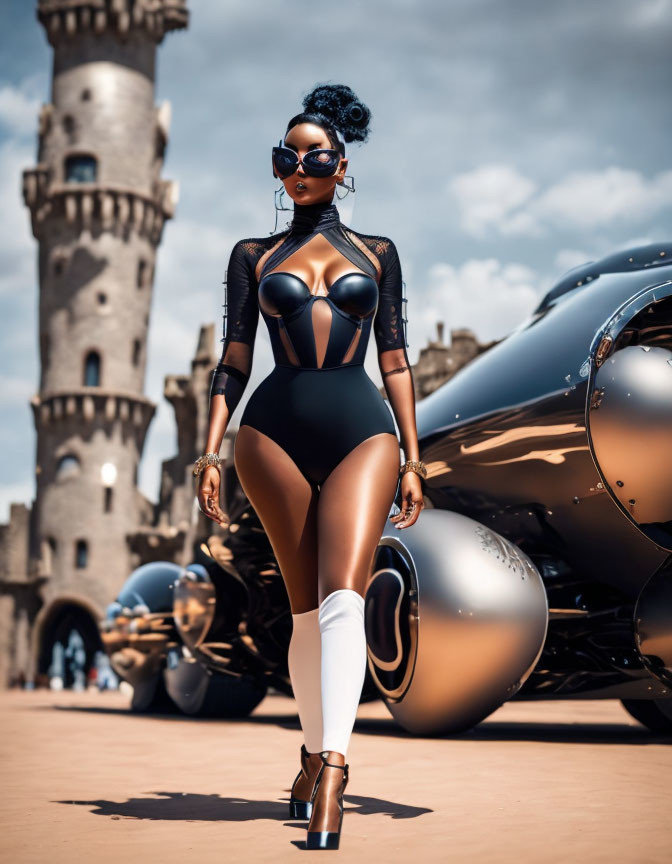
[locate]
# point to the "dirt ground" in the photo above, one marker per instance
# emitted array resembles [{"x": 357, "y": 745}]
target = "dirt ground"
[{"x": 537, "y": 782}]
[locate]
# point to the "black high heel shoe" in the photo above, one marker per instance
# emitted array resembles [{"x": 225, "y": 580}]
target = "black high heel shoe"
[
  {"x": 327, "y": 839},
  {"x": 298, "y": 808}
]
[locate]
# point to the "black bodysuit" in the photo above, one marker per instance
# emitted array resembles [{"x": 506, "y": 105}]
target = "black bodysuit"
[{"x": 318, "y": 403}]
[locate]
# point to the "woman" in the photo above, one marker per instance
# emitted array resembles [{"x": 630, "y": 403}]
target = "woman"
[{"x": 316, "y": 451}]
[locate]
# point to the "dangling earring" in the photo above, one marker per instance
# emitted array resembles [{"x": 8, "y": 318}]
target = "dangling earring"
[
  {"x": 279, "y": 206},
  {"x": 343, "y": 184},
  {"x": 345, "y": 200}
]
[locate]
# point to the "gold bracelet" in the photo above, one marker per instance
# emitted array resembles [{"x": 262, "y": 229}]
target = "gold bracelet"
[
  {"x": 414, "y": 465},
  {"x": 204, "y": 461}
]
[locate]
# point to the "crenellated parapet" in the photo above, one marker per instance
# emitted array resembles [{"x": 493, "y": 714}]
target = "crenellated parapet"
[
  {"x": 105, "y": 207},
  {"x": 66, "y": 18},
  {"x": 87, "y": 405}
]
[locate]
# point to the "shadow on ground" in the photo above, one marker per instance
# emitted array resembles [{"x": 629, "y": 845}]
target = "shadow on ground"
[
  {"x": 488, "y": 730},
  {"x": 190, "y": 807}
]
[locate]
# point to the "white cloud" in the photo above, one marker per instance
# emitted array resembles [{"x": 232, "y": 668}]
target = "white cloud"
[
  {"x": 18, "y": 339},
  {"x": 498, "y": 198},
  {"x": 591, "y": 199},
  {"x": 486, "y": 295},
  {"x": 15, "y": 493},
  {"x": 567, "y": 259},
  {"x": 18, "y": 248},
  {"x": 650, "y": 13},
  {"x": 18, "y": 109},
  {"x": 493, "y": 195},
  {"x": 16, "y": 391}
]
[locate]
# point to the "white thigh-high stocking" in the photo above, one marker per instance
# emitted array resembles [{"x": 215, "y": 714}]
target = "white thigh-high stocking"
[
  {"x": 304, "y": 662},
  {"x": 343, "y": 665}
]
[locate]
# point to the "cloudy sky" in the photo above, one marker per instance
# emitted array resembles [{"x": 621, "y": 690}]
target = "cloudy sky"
[{"x": 511, "y": 140}]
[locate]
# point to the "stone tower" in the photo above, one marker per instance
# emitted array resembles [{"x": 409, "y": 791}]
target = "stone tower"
[{"x": 98, "y": 206}]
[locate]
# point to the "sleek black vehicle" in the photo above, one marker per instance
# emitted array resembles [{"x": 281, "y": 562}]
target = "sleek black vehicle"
[{"x": 542, "y": 564}]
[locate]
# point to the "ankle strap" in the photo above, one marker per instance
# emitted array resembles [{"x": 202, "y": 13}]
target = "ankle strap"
[{"x": 330, "y": 764}]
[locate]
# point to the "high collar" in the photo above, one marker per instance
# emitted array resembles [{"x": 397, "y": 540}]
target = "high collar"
[{"x": 314, "y": 217}]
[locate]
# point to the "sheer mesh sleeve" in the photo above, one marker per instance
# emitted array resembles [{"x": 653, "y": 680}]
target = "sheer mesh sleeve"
[
  {"x": 389, "y": 325},
  {"x": 241, "y": 311},
  {"x": 240, "y": 320}
]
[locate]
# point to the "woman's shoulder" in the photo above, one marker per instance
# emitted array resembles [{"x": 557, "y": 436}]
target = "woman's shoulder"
[
  {"x": 382, "y": 246},
  {"x": 247, "y": 254},
  {"x": 254, "y": 247}
]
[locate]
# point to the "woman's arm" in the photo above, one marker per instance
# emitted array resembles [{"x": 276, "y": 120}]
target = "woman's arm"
[
  {"x": 232, "y": 373},
  {"x": 390, "y": 335},
  {"x": 230, "y": 377},
  {"x": 393, "y": 362}
]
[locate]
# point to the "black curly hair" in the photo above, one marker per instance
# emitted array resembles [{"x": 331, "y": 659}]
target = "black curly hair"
[{"x": 335, "y": 107}]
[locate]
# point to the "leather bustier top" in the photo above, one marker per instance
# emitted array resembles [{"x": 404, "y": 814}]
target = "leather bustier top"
[
  {"x": 308, "y": 330},
  {"x": 284, "y": 294}
]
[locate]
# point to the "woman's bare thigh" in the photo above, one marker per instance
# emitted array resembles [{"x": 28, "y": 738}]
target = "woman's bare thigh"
[
  {"x": 352, "y": 509},
  {"x": 286, "y": 503}
]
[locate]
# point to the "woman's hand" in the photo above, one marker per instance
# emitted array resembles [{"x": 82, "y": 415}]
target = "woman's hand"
[
  {"x": 411, "y": 500},
  {"x": 208, "y": 496}
]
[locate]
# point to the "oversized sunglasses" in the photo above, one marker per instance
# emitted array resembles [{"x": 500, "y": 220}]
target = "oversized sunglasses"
[{"x": 316, "y": 163}]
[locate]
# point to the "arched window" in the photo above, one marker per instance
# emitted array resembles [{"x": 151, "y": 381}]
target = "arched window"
[
  {"x": 81, "y": 554},
  {"x": 70, "y": 128},
  {"x": 159, "y": 143},
  {"x": 68, "y": 466},
  {"x": 49, "y": 548},
  {"x": 92, "y": 369},
  {"x": 142, "y": 273},
  {"x": 136, "y": 352},
  {"x": 81, "y": 169}
]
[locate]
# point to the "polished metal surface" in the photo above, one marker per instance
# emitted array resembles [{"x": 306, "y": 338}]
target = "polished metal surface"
[
  {"x": 630, "y": 413},
  {"x": 194, "y": 605},
  {"x": 142, "y": 670},
  {"x": 149, "y": 588},
  {"x": 138, "y": 629},
  {"x": 538, "y": 440},
  {"x": 506, "y": 440},
  {"x": 186, "y": 680},
  {"x": 480, "y": 616},
  {"x": 653, "y": 624},
  {"x": 391, "y": 619},
  {"x": 631, "y": 431}
]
